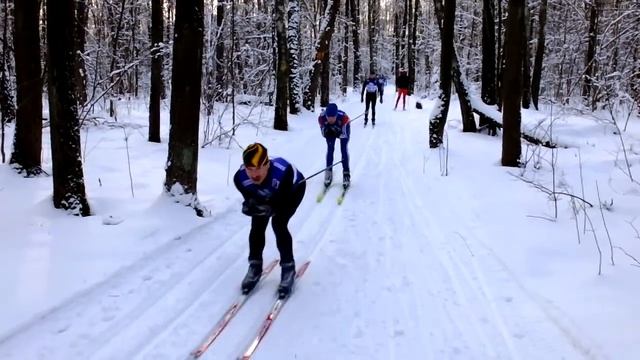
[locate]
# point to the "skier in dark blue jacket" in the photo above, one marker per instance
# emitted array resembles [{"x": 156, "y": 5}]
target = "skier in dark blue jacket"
[
  {"x": 271, "y": 188},
  {"x": 373, "y": 86},
  {"x": 335, "y": 124}
]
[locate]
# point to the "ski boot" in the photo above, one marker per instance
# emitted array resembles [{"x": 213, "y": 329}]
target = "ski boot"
[
  {"x": 253, "y": 276},
  {"x": 287, "y": 278},
  {"x": 328, "y": 177},
  {"x": 346, "y": 179}
]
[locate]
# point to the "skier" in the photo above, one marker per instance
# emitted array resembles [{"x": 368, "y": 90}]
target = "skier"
[
  {"x": 382, "y": 79},
  {"x": 372, "y": 86},
  {"x": 402, "y": 88},
  {"x": 271, "y": 188},
  {"x": 335, "y": 124}
]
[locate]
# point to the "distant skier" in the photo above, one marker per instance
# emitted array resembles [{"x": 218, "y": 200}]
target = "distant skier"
[
  {"x": 373, "y": 86},
  {"x": 403, "y": 83},
  {"x": 271, "y": 188},
  {"x": 382, "y": 79},
  {"x": 335, "y": 124}
]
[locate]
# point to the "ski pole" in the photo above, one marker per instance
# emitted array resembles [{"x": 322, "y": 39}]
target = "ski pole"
[
  {"x": 357, "y": 117},
  {"x": 320, "y": 172}
]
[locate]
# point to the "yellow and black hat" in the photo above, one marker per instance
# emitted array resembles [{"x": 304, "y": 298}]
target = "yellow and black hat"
[{"x": 255, "y": 155}]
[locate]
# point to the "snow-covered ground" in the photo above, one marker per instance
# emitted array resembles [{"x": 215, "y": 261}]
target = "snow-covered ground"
[{"x": 413, "y": 264}]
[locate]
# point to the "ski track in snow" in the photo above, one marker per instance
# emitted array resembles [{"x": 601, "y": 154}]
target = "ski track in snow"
[
  {"x": 169, "y": 277},
  {"x": 416, "y": 289}
]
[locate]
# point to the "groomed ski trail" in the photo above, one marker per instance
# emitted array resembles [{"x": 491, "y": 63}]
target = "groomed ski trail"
[{"x": 417, "y": 288}]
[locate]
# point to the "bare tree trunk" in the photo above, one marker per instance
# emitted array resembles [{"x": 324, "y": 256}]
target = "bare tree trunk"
[
  {"x": 322, "y": 51},
  {"x": 403, "y": 34},
  {"x": 7, "y": 105},
  {"x": 499, "y": 57},
  {"x": 182, "y": 160},
  {"x": 355, "y": 36},
  {"x": 344, "y": 63},
  {"x": 293, "y": 45},
  {"x": 635, "y": 78},
  {"x": 374, "y": 6},
  {"x": 471, "y": 38},
  {"x": 526, "y": 60},
  {"x": 411, "y": 47},
  {"x": 210, "y": 39},
  {"x": 466, "y": 110},
  {"x": 437, "y": 123},
  {"x": 134, "y": 52},
  {"x": 220, "y": 87},
  {"x": 325, "y": 78},
  {"x": 397, "y": 59},
  {"x": 514, "y": 36},
  {"x": 157, "y": 24},
  {"x": 589, "y": 73},
  {"x": 488, "y": 91},
  {"x": 114, "y": 55},
  {"x": 27, "y": 144},
  {"x": 68, "y": 177},
  {"x": 282, "y": 67},
  {"x": 325, "y": 74},
  {"x": 540, "y": 47},
  {"x": 81, "y": 23},
  {"x": 168, "y": 33}
]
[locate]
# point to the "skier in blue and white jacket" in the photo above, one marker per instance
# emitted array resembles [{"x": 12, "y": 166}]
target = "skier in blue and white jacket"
[{"x": 373, "y": 86}]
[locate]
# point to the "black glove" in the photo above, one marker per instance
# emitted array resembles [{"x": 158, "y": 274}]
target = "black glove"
[
  {"x": 332, "y": 131},
  {"x": 336, "y": 131},
  {"x": 380, "y": 100},
  {"x": 361, "y": 100},
  {"x": 252, "y": 208}
]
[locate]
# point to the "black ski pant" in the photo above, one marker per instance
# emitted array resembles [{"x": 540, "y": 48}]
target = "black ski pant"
[
  {"x": 370, "y": 100},
  {"x": 279, "y": 223}
]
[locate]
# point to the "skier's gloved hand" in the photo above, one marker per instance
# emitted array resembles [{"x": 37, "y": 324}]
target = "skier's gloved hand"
[
  {"x": 380, "y": 100},
  {"x": 263, "y": 210},
  {"x": 361, "y": 100},
  {"x": 332, "y": 131},
  {"x": 248, "y": 207},
  {"x": 336, "y": 130},
  {"x": 252, "y": 208}
]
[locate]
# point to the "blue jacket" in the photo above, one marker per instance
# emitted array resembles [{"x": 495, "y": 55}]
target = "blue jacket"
[
  {"x": 277, "y": 188},
  {"x": 340, "y": 129}
]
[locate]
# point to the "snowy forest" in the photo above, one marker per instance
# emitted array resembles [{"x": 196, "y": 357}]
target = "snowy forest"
[
  {"x": 493, "y": 215},
  {"x": 86, "y": 57}
]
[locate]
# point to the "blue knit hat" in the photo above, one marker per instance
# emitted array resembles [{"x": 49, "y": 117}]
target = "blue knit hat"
[{"x": 331, "y": 110}]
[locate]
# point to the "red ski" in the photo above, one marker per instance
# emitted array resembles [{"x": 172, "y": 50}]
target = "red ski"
[
  {"x": 228, "y": 315},
  {"x": 271, "y": 317}
]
